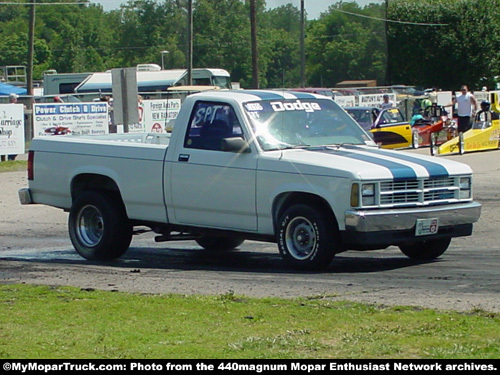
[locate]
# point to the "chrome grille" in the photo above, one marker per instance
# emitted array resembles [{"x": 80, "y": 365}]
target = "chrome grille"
[{"x": 418, "y": 192}]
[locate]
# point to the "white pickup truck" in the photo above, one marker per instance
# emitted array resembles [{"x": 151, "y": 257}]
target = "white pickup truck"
[{"x": 291, "y": 168}]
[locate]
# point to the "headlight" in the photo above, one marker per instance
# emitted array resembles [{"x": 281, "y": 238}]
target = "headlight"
[
  {"x": 368, "y": 194},
  {"x": 465, "y": 188}
]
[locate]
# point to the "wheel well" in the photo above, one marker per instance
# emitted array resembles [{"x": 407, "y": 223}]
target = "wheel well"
[
  {"x": 285, "y": 200},
  {"x": 84, "y": 182}
]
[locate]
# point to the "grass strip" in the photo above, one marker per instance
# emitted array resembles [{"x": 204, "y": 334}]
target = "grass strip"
[
  {"x": 13, "y": 165},
  {"x": 64, "y": 322}
]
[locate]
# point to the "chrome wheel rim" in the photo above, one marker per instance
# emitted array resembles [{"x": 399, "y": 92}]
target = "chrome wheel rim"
[
  {"x": 300, "y": 238},
  {"x": 415, "y": 140},
  {"x": 90, "y": 226}
]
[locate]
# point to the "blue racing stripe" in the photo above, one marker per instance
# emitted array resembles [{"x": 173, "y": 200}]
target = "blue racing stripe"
[
  {"x": 303, "y": 95},
  {"x": 399, "y": 171},
  {"x": 434, "y": 169},
  {"x": 265, "y": 95}
]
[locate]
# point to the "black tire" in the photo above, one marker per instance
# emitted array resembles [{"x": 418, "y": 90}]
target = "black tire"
[
  {"x": 98, "y": 226},
  {"x": 461, "y": 143},
  {"x": 307, "y": 239},
  {"x": 426, "y": 250},
  {"x": 219, "y": 243},
  {"x": 415, "y": 141}
]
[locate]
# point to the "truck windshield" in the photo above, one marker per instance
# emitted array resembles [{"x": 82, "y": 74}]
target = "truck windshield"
[
  {"x": 290, "y": 123},
  {"x": 222, "y": 82}
]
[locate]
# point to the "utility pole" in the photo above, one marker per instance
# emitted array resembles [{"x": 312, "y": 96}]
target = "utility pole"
[
  {"x": 302, "y": 47},
  {"x": 190, "y": 43},
  {"x": 388, "y": 68},
  {"x": 31, "y": 48},
  {"x": 255, "y": 49},
  {"x": 28, "y": 127}
]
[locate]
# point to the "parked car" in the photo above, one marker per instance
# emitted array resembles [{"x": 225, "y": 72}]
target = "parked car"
[{"x": 387, "y": 126}]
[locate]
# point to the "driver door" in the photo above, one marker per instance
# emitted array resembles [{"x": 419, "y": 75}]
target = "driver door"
[{"x": 211, "y": 187}]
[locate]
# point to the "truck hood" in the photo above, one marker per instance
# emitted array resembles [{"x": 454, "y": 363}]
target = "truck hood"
[{"x": 368, "y": 163}]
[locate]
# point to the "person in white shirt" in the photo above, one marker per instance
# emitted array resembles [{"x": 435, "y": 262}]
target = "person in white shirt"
[
  {"x": 466, "y": 108},
  {"x": 387, "y": 103}
]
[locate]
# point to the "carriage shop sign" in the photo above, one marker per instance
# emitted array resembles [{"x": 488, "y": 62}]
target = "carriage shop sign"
[
  {"x": 77, "y": 118},
  {"x": 11, "y": 129}
]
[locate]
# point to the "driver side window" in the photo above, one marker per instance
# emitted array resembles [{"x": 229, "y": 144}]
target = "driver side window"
[{"x": 210, "y": 123}]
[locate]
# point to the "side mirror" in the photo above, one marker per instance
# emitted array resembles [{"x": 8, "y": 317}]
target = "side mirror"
[{"x": 235, "y": 144}]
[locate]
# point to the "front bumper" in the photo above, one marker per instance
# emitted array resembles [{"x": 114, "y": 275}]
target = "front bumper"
[{"x": 380, "y": 228}]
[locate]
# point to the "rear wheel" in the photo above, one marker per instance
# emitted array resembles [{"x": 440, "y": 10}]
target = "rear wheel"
[
  {"x": 98, "y": 226},
  {"x": 307, "y": 239},
  {"x": 426, "y": 250},
  {"x": 219, "y": 243}
]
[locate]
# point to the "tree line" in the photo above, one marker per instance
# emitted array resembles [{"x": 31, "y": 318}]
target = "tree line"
[{"x": 440, "y": 43}]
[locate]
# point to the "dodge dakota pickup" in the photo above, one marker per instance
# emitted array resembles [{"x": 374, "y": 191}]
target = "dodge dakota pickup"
[{"x": 285, "y": 167}]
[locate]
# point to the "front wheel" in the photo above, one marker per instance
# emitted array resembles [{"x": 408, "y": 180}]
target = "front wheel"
[
  {"x": 461, "y": 143},
  {"x": 426, "y": 250},
  {"x": 434, "y": 148},
  {"x": 98, "y": 226},
  {"x": 306, "y": 238},
  {"x": 415, "y": 141}
]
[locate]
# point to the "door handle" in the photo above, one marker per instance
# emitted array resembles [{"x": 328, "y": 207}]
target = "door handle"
[{"x": 184, "y": 157}]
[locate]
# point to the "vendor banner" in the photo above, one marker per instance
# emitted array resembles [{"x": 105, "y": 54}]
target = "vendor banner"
[
  {"x": 374, "y": 100},
  {"x": 11, "y": 129},
  {"x": 70, "y": 118},
  {"x": 156, "y": 116},
  {"x": 345, "y": 101}
]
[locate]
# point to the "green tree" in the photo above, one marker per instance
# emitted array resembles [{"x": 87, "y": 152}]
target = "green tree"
[
  {"x": 280, "y": 44},
  {"x": 464, "y": 51},
  {"x": 341, "y": 46}
]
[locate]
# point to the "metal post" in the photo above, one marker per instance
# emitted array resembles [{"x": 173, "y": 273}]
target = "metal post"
[{"x": 28, "y": 125}]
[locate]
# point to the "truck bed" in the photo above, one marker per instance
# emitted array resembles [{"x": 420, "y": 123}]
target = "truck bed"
[{"x": 133, "y": 162}]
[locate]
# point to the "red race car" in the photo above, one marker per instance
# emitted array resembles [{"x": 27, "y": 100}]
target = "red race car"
[{"x": 434, "y": 123}]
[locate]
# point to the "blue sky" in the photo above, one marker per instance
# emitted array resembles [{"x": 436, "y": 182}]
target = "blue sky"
[{"x": 313, "y": 7}]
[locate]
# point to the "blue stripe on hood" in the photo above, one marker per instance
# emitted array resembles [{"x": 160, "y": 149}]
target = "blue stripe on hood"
[
  {"x": 399, "y": 171},
  {"x": 434, "y": 169}
]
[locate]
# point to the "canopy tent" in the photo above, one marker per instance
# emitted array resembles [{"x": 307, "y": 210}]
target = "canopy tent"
[{"x": 6, "y": 89}]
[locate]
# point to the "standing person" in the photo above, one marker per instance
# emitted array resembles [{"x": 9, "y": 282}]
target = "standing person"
[
  {"x": 465, "y": 103},
  {"x": 386, "y": 103}
]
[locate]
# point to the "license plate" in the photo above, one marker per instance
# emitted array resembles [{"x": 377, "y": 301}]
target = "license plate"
[{"x": 426, "y": 227}]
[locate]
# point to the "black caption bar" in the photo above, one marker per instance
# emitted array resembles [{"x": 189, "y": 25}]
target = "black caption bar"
[{"x": 250, "y": 366}]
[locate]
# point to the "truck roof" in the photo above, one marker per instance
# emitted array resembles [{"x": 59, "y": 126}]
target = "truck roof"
[{"x": 242, "y": 96}]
